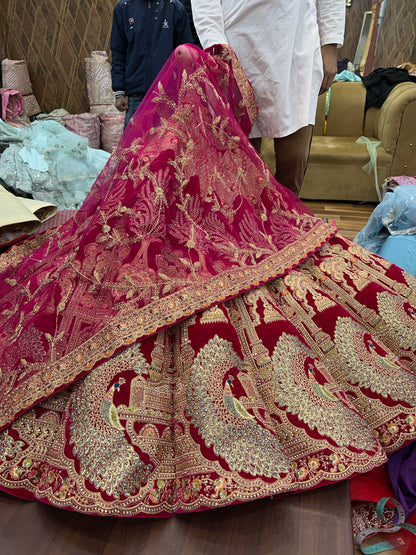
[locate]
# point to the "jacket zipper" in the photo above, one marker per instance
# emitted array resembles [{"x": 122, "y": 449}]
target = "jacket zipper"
[{"x": 149, "y": 42}]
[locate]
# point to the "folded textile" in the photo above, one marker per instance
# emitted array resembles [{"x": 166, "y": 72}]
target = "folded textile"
[
  {"x": 381, "y": 81},
  {"x": 112, "y": 127},
  {"x": 8, "y": 134},
  {"x": 11, "y": 104},
  {"x": 86, "y": 125},
  {"x": 56, "y": 115},
  {"x": 20, "y": 217}
]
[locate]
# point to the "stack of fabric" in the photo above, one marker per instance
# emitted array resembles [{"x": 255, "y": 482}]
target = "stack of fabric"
[{"x": 101, "y": 98}]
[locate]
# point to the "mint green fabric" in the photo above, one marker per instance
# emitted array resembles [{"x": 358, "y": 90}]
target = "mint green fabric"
[{"x": 372, "y": 164}]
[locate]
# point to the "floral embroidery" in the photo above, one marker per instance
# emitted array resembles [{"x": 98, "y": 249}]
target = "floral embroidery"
[{"x": 210, "y": 340}]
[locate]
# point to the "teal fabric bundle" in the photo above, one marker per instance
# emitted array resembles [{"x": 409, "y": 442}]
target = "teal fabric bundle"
[{"x": 51, "y": 164}]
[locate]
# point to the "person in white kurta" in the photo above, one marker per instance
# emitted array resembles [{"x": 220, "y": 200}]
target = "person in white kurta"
[{"x": 288, "y": 52}]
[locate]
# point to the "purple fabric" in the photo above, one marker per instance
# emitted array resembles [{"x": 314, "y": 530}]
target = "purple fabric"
[
  {"x": 404, "y": 180},
  {"x": 401, "y": 468}
]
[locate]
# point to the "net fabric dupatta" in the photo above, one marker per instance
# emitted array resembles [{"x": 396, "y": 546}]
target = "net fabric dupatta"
[
  {"x": 194, "y": 337},
  {"x": 179, "y": 212}
]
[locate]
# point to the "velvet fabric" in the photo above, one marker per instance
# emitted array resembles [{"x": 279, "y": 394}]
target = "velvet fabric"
[{"x": 194, "y": 336}]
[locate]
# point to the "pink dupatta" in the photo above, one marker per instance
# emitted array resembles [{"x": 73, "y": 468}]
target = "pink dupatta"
[{"x": 184, "y": 215}]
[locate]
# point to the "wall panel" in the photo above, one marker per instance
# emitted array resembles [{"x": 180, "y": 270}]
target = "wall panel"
[
  {"x": 55, "y": 37},
  {"x": 397, "y": 38}
]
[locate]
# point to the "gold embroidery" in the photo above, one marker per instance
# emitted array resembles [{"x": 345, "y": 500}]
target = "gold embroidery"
[
  {"x": 368, "y": 365},
  {"x": 213, "y": 315},
  {"x": 132, "y": 323},
  {"x": 255, "y": 352},
  {"x": 158, "y": 356},
  {"x": 105, "y": 456},
  {"x": 222, "y": 420},
  {"x": 301, "y": 285},
  {"x": 315, "y": 401},
  {"x": 262, "y": 295},
  {"x": 400, "y": 318}
]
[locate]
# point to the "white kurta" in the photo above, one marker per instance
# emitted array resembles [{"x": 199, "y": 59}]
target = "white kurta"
[{"x": 278, "y": 44}]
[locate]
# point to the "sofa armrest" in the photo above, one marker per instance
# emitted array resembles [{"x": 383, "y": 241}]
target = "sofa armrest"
[{"x": 397, "y": 128}]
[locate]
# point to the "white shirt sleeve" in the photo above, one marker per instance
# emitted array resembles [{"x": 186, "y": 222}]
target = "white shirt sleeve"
[
  {"x": 209, "y": 22},
  {"x": 331, "y": 21}
]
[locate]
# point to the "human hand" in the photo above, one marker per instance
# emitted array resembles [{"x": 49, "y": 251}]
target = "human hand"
[
  {"x": 329, "y": 59},
  {"x": 122, "y": 103},
  {"x": 220, "y": 50},
  {"x": 186, "y": 54}
]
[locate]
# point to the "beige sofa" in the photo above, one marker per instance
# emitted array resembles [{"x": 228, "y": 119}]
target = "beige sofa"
[{"x": 336, "y": 159}]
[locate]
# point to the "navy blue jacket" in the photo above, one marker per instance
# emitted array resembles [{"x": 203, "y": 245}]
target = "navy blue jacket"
[{"x": 143, "y": 35}]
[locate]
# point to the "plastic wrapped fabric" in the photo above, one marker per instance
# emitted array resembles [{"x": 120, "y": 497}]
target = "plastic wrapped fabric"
[
  {"x": 11, "y": 104},
  {"x": 98, "y": 71},
  {"x": 15, "y": 75},
  {"x": 86, "y": 125},
  {"x": 112, "y": 127},
  {"x": 395, "y": 215}
]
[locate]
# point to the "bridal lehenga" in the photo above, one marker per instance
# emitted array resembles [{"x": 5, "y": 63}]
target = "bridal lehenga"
[{"x": 194, "y": 336}]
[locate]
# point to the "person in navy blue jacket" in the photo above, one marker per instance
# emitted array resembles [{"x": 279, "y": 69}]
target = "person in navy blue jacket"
[{"x": 143, "y": 35}]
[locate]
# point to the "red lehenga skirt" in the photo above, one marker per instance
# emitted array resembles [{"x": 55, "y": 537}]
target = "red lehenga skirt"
[{"x": 194, "y": 337}]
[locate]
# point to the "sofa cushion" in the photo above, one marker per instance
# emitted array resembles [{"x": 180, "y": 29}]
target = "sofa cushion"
[
  {"x": 340, "y": 182},
  {"x": 346, "y": 109},
  {"x": 335, "y": 170},
  {"x": 327, "y": 150}
]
